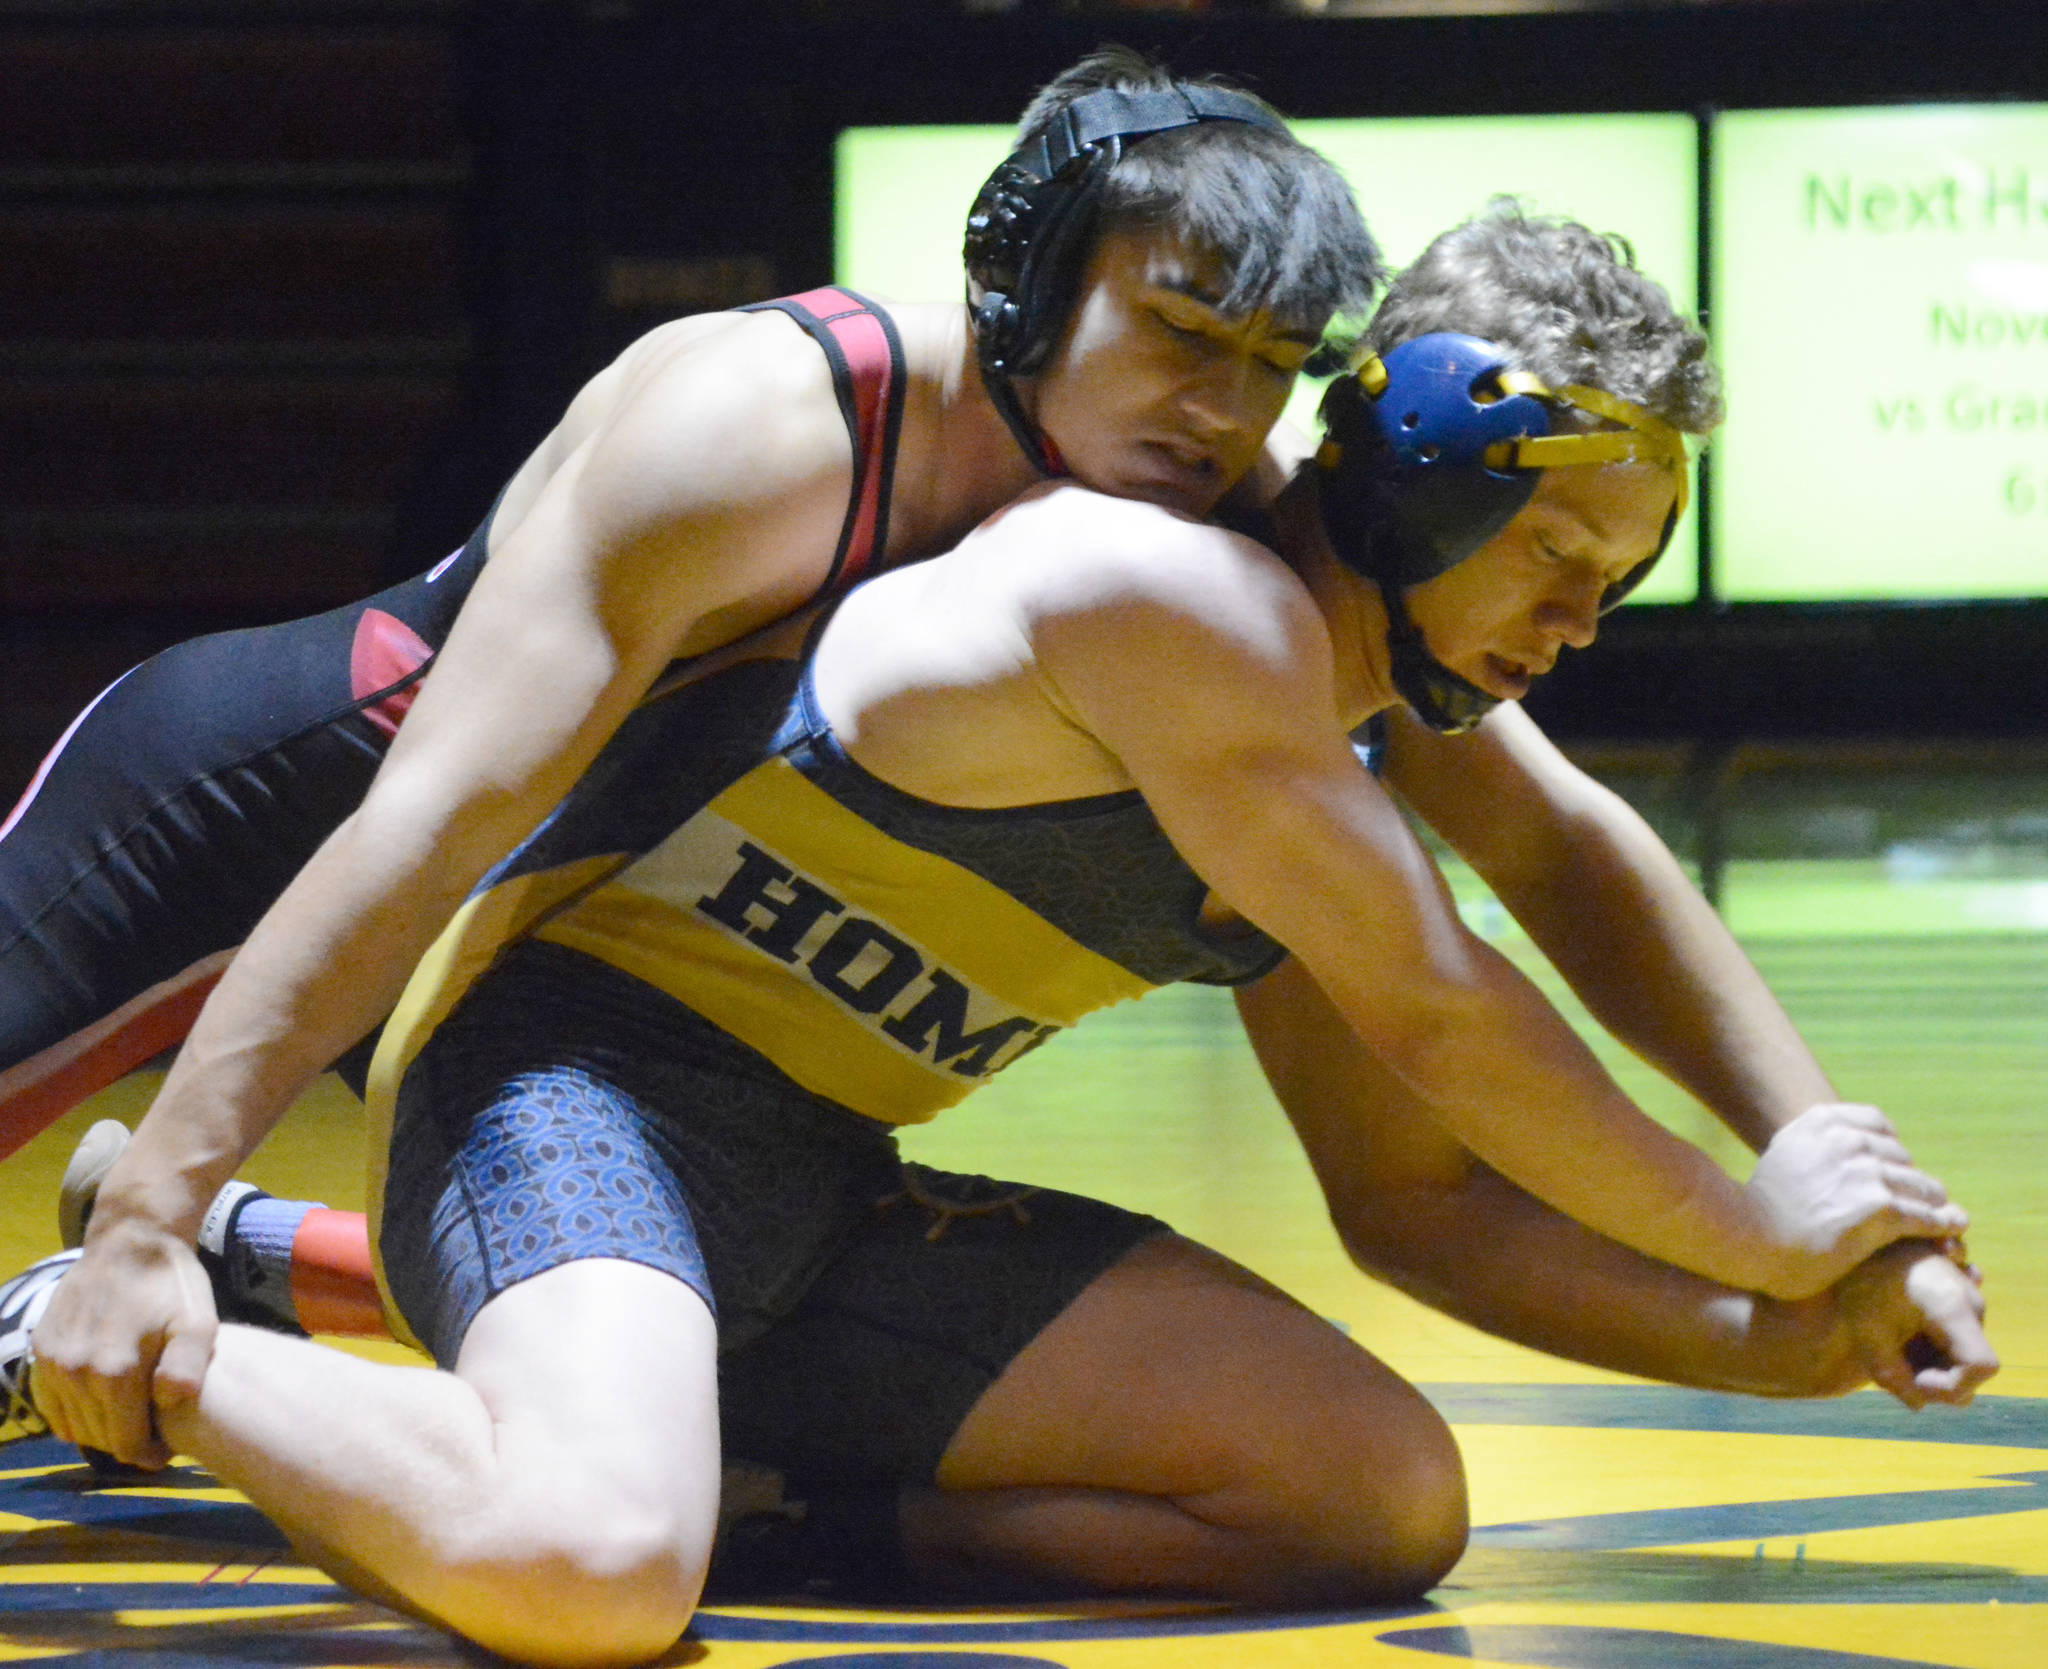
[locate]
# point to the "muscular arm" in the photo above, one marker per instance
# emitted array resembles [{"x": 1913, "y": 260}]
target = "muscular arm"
[
  {"x": 1605, "y": 901},
  {"x": 1602, "y": 896},
  {"x": 1215, "y": 688},
  {"x": 704, "y": 503},
  {"x": 1414, "y": 1208}
]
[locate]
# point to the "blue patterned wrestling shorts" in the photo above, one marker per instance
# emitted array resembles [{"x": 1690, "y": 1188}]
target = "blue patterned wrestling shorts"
[{"x": 566, "y": 1110}]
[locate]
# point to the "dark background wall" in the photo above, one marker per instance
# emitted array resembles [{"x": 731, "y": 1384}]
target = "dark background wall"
[{"x": 286, "y": 290}]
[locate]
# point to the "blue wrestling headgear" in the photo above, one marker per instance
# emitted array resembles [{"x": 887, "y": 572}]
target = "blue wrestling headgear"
[
  {"x": 1430, "y": 452},
  {"x": 1031, "y": 228}
]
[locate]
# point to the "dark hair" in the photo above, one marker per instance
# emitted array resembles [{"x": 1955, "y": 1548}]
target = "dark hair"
[
  {"x": 1275, "y": 213},
  {"x": 1567, "y": 302}
]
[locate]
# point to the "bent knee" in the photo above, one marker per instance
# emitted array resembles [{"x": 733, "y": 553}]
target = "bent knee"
[
  {"x": 1383, "y": 1520},
  {"x": 1403, "y": 1553},
  {"x": 1393, "y": 1547}
]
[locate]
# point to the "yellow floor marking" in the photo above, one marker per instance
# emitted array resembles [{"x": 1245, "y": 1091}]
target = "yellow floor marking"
[{"x": 1521, "y": 1472}]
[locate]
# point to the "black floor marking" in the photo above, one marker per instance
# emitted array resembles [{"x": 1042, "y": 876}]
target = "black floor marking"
[
  {"x": 1572, "y": 1646},
  {"x": 1765, "y": 1520},
  {"x": 1649, "y": 1577},
  {"x": 924, "y": 1660},
  {"x": 1990, "y": 1422}
]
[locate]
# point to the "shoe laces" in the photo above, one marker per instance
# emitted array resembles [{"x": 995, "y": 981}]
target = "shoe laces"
[
  {"x": 25, "y": 1298},
  {"x": 19, "y": 1418}
]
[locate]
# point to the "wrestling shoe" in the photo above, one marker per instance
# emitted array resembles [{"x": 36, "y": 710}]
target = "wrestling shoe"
[
  {"x": 90, "y": 1161},
  {"x": 22, "y": 1302}
]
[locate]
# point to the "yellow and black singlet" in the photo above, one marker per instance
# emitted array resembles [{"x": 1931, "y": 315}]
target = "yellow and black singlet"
[{"x": 883, "y": 951}]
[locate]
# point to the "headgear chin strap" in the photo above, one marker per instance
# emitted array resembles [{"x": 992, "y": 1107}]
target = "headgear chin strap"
[
  {"x": 1030, "y": 231},
  {"x": 1434, "y": 449},
  {"x": 1442, "y": 699}
]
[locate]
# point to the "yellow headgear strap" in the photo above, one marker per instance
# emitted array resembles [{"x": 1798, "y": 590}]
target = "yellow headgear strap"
[{"x": 1643, "y": 438}]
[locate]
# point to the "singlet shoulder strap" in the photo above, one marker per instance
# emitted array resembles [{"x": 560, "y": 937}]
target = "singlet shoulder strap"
[
  {"x": 860, "y": 343},
  {"x": 1369, "y": 742}
]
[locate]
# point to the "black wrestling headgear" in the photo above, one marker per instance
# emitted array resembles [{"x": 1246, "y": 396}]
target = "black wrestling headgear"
[{"x": 1032, "y": 226}]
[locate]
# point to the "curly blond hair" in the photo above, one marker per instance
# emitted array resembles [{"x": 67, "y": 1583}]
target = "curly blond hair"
[{"x": 1569, "y": 303}]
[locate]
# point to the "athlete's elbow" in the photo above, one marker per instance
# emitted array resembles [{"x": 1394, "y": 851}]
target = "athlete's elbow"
[
  {"x": 1381, "y": 1253},
  {"x": 1370, "y": 1225},
  {"x": 1405, "y": 1237}
]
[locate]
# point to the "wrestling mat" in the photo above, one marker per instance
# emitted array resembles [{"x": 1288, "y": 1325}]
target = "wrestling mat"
[
  {"x": 1640, "y": 1535},
  {"x": 1620, "y": 1525}
]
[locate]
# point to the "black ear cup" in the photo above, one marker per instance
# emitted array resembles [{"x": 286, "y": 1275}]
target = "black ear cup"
[
  {"x": 1413, "y": 495},
  {"x": 1000, "y": 229},
  {"x": 998, "y": 327},
  {"x": 1026, "y": 242}
]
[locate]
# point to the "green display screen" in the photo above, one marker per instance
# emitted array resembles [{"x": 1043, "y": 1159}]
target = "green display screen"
[
  {"x": 1881, "y": 311},
  {"x": 903, "y": 196}
]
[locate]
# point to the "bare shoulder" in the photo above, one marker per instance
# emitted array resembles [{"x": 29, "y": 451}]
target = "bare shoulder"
[
  {"x": 1073, "y": 550},
  {"x": 1128, "y": 610},
  {"x": 730, "y": 382},
  {"x": 701, "y": 479},
  {"x": 722, "y": 434},
  {"x": 690, "y": 392}
]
